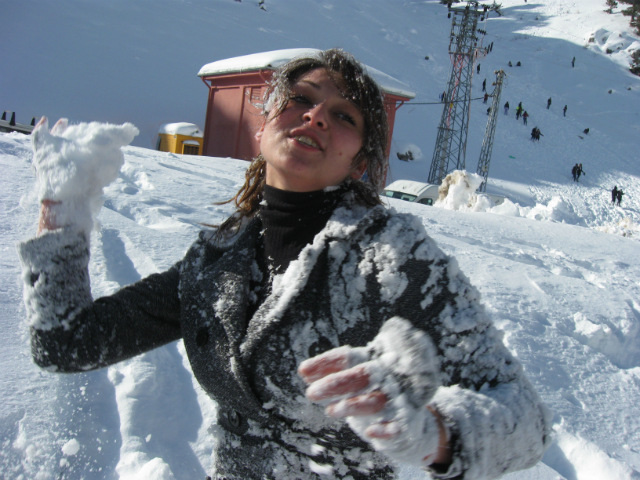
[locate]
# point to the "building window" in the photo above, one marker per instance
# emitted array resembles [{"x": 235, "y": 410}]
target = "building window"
[{"x": 191, "y": 149}]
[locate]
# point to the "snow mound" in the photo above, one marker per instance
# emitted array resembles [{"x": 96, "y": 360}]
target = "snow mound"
[{"x": 625, "y": 227}]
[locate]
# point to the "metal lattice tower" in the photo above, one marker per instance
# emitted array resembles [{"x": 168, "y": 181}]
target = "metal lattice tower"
[
  {"x": 451, "y": 143},
  {"x": 489, "y": 134}
]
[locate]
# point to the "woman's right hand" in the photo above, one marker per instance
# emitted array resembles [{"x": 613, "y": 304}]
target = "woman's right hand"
[
  {"x": 47, "y": 220},
  {"x": 73, "y": 164}
]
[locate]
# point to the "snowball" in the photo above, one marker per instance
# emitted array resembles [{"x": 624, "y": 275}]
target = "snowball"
[{"x": 71, "y": 447}]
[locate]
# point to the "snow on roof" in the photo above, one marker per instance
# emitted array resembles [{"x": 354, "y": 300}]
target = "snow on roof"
[
  {"x": 276, "y": 58},
  {"x": 181, "y": 128}
]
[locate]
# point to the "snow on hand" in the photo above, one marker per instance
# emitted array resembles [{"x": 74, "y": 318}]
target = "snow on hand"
[{"x": 74, "y": 163}]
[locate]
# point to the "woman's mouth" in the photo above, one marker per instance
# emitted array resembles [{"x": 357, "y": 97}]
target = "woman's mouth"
[{"x": 307, "y": 141}]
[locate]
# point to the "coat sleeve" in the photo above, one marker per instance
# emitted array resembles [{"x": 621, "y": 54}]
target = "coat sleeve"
[
  {"x": 497, "y": 421},
  {"x": 70, "y": 332}
]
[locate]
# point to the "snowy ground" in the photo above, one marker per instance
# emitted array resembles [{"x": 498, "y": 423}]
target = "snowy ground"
[{"x": 565, "y": 294}]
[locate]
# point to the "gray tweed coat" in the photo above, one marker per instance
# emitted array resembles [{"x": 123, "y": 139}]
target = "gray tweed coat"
[{"x": 366, "y": 266}]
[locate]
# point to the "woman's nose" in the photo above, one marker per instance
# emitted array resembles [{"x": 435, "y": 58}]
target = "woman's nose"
[{"x": 316, "y": 115}]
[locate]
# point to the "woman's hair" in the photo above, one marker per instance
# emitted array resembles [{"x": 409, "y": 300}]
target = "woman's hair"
[{"x": 349, "y": 75}]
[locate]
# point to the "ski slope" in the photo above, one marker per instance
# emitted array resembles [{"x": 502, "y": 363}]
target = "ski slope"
[{"x": 564, "y": 288}]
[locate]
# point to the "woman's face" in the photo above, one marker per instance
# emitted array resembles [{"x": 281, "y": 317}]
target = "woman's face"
[{"x": 312, "y": 143}]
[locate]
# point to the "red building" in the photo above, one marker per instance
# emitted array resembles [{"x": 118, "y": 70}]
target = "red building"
[{"x": 236, "y": 86}]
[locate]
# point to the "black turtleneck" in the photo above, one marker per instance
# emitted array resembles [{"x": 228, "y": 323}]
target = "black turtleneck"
[{"x": 291, "y": 220}]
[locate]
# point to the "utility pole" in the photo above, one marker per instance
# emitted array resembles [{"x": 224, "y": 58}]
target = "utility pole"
[
  {"x": 489, "y": 134},
  {"x": 451, "y": 143}
]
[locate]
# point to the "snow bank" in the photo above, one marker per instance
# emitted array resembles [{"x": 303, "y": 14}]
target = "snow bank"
[
  {"x": 625, "y": 227},
  {"x": 458, "y": 192}
]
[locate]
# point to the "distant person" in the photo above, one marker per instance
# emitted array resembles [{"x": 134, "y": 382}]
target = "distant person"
[
  {"x": 484, "y": 85},
  {"x": 506, "y": 108},
  {"x": 573, "y": 62},
  {"x": 586, "y": 131},
  {"x": 619, "y": 195},
  {"x": 478, "y": 69},
  {"x": 443, "y": 95},
  {"x": 574, "y": 172},
  {"x": 519, "y": 111},
  {"x": 538, "y": 134},
  {"x": 614, "y": 194},
  {"x": 580, "y": 172},
  {"x": 533, "y": 134},
  {"x": 486, "y": 97},
  {"x": 548, "y": 103},
  {"x": 564, "y": 111},
  {"x": 489, "y": 111},
  {"x": 518, "y": 64},
  {"x": 510, "y": 64},
  {"x": 525, "y": 115}
]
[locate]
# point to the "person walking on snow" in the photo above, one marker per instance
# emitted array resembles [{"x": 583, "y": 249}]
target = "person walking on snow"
[
  {"x": 580, "y": 172},
  {"x": 614, "y": 194},
  {"x": 484, "y": 85},
  {"x": 574, "y": 172},
  {"x": 564, "y": 111},
  {"x": 525, "y": 115},
  {"x": 573, "y": 62},
  {"x": 619, "y": 195},
  {"x": 407, "y": 369},
  {"x": 506, "y": 108},
  {"x": 519, "y": 111},
  {"x": 548, "y": 103},
  {"x": 486, "y": 97},
  {"x": 478, "y": 69}
]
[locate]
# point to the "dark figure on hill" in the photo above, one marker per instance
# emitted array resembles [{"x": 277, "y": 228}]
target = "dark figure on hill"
[
  {"x": 443, "y": 95},
  {"x": 580, "y": 172},
  {"x": 619, "y": 195},
  {"x": 533, "y": 134},
  {"x": 489, "y": 111},
  {"x": 525, "y": 115},
  {"x": 519, "y": 111},
  {"x": 506, "y": 108},
  {"x": 486, "y": 97},
  {"x": 548, "y": 103},
  {"x": 510, "y": 64},
  {"x": 574, "y": 172},
  {"x": 586, "y": 131},
  {"x": 537, "y": 133},
  {"x": 614, "y": 194},
  {"x": 484, "y": 85},
  {"x": 478, "y": 69},
  {"x": 573, "y": 62},
  {"x": 518, "y": 64},
  {"x": 564, "y": 111}
]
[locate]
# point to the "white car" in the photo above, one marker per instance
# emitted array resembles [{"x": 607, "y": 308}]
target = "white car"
[{"x": 424, "y": 193}]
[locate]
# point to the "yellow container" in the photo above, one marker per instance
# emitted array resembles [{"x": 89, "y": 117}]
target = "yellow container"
[{"x": 184, "y": 138}]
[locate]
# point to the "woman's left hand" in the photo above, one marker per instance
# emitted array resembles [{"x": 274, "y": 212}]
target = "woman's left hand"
[{"x": 363, "y": 385}]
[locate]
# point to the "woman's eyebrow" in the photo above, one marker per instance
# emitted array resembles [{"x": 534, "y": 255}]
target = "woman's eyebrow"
[{"x": 309, "y": 82}]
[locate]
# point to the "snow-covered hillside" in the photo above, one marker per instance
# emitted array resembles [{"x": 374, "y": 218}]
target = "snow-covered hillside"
[{"x": 565, "y": 292}]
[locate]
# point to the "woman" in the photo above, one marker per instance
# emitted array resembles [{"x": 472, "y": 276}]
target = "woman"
[{"x": 311, "y": 283}]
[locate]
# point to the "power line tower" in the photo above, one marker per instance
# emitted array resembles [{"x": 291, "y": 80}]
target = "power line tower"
[
  {"x": 489, "y": 134},
  {"x": 451, "y": 143}
]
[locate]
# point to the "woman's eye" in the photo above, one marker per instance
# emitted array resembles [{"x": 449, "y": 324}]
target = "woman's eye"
[
  {"x": 347, "y": 118},
  {"x": 300, "y": 99}
]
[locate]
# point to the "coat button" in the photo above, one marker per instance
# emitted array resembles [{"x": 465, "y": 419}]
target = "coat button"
[
  {"x": 202, "y": 336},
  {"x": 234, "y": 418}
]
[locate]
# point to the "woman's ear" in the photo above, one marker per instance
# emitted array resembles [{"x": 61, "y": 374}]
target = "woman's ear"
[
  {"x": 359, "y": 170},
  {"x": 259, "y": 132}
]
